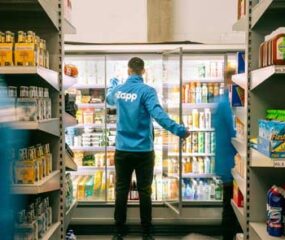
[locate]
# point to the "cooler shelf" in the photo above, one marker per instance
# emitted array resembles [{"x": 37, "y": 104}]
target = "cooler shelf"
[{"x": 240, "y": 79}]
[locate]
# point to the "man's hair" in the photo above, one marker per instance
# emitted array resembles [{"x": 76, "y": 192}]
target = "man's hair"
[{"x": 136, "y": 65}]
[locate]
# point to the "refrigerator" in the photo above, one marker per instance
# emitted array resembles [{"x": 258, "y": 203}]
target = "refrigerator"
[{"x": 187, "y": 79}]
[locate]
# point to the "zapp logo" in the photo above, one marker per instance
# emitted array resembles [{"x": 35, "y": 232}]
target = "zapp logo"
[{"x": 126, "y": 96}]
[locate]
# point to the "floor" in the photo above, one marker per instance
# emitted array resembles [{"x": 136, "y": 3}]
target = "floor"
[{"x": 189, "y": 237}]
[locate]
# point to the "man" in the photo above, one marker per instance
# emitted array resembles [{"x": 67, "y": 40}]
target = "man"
[
  {"x": 225, "y": 152},
  {"x": 136, "y": 103}
]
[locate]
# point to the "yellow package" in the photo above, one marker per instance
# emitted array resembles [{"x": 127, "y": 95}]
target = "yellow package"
[
  {"x": 25, "y": 172},
  {"x": 81, "y": 188},
  {"x": 98, "y": 180},
  {"x": 25, "y": 54},
  {"x": 6, "y": 54}
]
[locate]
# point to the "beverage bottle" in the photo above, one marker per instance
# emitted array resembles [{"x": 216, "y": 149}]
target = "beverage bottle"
[
  {"x": 201, "y": 165},
  {"x": 208, "y": 118},
  {"x": 194, "y": 142},
  {"x": 186, "y": 90},
  {"x": 198, "y": 91},
  {"x": 212, "y": 190},
  {"x": 111, "y": 188},
  {"x": 195, "y": 165},
  {"x": 219, "y": 190},
  {"x": 188, "y": 165},
  {"x": 188, "y": 192},
  {"x": 195, "y": 190},
  {"x": 207, "y": 142},
  {"x": 201, "y": 120},
  {"x": 200, "y": 191},
  {"x": 192, "y": 93},
  {"x": 212, "y": 164},
  {"x": 204, "y": 93},
  {"x": 210, "y": 92},
  {"x": 207, "y": 165},
  {"x": 213, "y": 142}
]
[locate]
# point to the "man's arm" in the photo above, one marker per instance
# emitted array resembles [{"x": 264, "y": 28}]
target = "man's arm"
[
  {"x": 110, "y": 98},
  {"x": 157, "y": 112}
]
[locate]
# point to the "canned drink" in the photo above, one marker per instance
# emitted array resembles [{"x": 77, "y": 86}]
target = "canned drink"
[
  {"x": 201, "y": 141},
  {"x": 24, "y": 91},
  {"x": 201, "y": 120},
  {"x": 207, "y": 142},
  {"x": 213, "y": 142},
  {"x": 33, "y": 92},
  {"x": 195, "y": 118},
  {"x": 195, "y": 142},
  {"x": 208, "y": 118},
  {"x": 23, "y": 154},
  {"x": 12, "y": 92}
]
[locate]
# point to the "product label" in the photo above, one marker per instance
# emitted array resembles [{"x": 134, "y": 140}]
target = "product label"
[
  {"x": 6, "y": 54},
  {"x": 280, "y": 48},
  {"x": 25, "y": 54},
  {"x": 279, "y": 163}
]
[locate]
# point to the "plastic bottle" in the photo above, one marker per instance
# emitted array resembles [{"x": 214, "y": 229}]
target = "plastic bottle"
[
  {"x": 208, "y": 119},
  {"x": 219, "y": 190},
  {"x": 201, "y": 166},
  {"x": 195, "y": 118},
  {"x": 200, "y": 190},
  {"x": 198, "y": 91},
  {"x": 204, "y": 93},
  {"x": 207, "y": 166},
  {"x": 202, "y": 120},
  {"x": 188, "y": 191},
  {"x": 195, "y": 190},
  {"x": 201, "y": 142},
  {"x": 277, "y": 47},
  {"x": 192, "y": 91},
  {"x": 212, "y": 190},
  {"x": 212, "y": 164},
  {"x": 195, "y": 166}
]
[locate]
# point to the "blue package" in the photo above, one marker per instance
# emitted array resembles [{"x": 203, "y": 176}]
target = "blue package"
[
  {"x": 240, "y": 62},
  {"x": 237, "y": 96}
]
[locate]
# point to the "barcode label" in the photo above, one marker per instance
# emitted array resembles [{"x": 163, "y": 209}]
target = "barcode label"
[{"x": 279, "y": 164}]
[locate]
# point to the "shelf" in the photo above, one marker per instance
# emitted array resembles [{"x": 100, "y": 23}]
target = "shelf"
[
  {"x": 50, "y": 126},
  {"x": 192, "y": 154},
  {"x": 202, "y": 202},
  {"x": 240, "y": 79},
  {"x": 241, "y": 182},
  {"x": 92, "y": 149},
  {"x": 202, "y": 130},
  {"x": 51, "y": 232},
  {"x": 95, "y": 125},
  {"x": 260, "y": 160},
  {"x": 68, "y": 27},
  {"x": 90, "y": 105},
  {"x": 240, "y": 215},
  {"x": 50, "y": 76},
  {"x": 69, "y": 163},
  {"x": 68, "y": 120},
  {"x": 261, "y": 75},
  {"x": 194, "y": 175},
  {"x": 69, "y": 213},
  {"x": 68, "y": 82},
  {"x": 189, "y": 106},
  {"x": 89, "y": 86},
  {"x": 205, "y": 80},
  {"x": 260, "y": 231},
  {"x": 241, "y": 25},
  {"x": 263, "y": 7},
  {"x": 240, "y": 146},
  {"x": 47, "y": 184}
]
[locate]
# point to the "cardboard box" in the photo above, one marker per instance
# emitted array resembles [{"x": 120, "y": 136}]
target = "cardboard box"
[
  {"x": 237, "y": 196},
  {"x": 271, "y": 138},
  {"x": 6, "y": 54},
  {"x": 240, "y": 62},
  {"x": 25, "y": 54},
  {"x": 237, "y": 96}
]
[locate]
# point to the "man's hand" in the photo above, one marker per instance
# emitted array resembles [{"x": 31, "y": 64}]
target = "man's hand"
[{"x": 114, "y": 82}]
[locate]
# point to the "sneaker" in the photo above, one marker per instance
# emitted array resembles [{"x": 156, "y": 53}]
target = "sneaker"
[
  {"x": 117, "y": 237},
  {"x": 147, "y": 237}
]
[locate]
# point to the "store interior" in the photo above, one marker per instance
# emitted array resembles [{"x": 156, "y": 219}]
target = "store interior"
[{"x": 58, "y": 134}]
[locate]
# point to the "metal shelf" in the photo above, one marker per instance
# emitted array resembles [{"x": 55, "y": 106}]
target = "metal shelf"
[
  {"x": 92, "y": 149},
  {"x": 260, "y": 231},
  {"x": 69, "y": 163},
  {"x": 189, "y": 106},
  {"x": 68, "y": 27},
  {"x": 240, "y": 146},
  {"x": 68, "y": 120},
  {"x": 50, "y": 76},
  {"x": 240, "y": 79},
  {"x": 89, "y": 86},
  {"x": 47, "y": 184},
  {"x": 192, "y": 154},
  {"x": 90, "y": 105},
  {"x": 241, "y": 24},
  {"x": 240, "y": 215},
  {"x": 194, "y": 175},
  {"x": 50, "y": 126},
  {"x": 69, "y": 213},
  {"x": 68, "y": 82},
  {"x": 95, "y": 125},
  {"x": 52, "y": 231},
  {"x": 261, "y": 75},
  {"x": 205, "y": 80},
  {"x": 241, "y": 182},
  {"x": 263, "y": 7},
  {"x": 260, "y": 160},
  {"x": 241, "y": 113}
]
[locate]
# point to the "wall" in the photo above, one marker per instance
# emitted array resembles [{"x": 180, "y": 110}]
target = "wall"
[
  {"x": 109, "y": 21},
  {"x": 207, "y": 21}
]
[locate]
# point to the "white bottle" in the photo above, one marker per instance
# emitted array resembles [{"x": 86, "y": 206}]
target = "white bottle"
[
  {"x": 208, "y": 118},
  {"x": 198, "y": 91},
  {"x": 188, "y": 192},
  {"x": 207, "y": 165},
  {"x": 207, "y": 192},
  {"x": 204, "y": 93},
  {"x": 201, "y": 120},
  {"x": 200, "y": 190},
  {"x": 195, "y": 166}
]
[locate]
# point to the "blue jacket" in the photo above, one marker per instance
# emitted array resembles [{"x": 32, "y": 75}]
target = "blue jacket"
[
  {"x": 137, "y": 103},
  {"x": 225, "y": 152}
]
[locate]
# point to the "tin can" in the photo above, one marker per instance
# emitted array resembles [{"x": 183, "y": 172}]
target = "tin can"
[
  {"x": 207, "y": 142},
  {"x": 201, "y": 120},
  {"x": 194, "y": 142},
  {"x": 24, "y": 91},
  {"x": 23, "y": 154},
  {"x": 201, "y": 141},
  {"x": 195, "y": 118},
  {"x": 33, "y": 92},
  {"x": 12, "y": 91},
  {"x": 213, "y": 142}
]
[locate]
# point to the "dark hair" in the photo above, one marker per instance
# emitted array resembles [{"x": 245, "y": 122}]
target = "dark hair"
[{"x": 137, "y": 65}]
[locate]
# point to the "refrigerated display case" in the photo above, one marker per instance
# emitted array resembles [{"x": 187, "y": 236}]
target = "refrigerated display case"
[{"x": 187, "y": 78}]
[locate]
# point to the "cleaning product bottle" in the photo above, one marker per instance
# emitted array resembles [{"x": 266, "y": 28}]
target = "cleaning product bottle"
[{"x": 207, "y": 165}]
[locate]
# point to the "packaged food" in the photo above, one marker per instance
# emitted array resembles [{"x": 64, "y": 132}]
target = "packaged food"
[
  {"x": 70, "y": 70},
  {"x": 6, "y": 49}
]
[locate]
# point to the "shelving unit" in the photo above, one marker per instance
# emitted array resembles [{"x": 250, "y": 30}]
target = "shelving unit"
[
  {"x": 240, "y": 215},
  {"x": 240, "y": 146},
  {"x": 240, "y": 79},
  {"x": 69, "y": 163},
  {"x": 69, "y": 213},
  {"x": 240, "y": 181},
  {"x": 258, "y": 232},
  {"x": 52, "y": 232},
  {"x": 241, "y": 24}
]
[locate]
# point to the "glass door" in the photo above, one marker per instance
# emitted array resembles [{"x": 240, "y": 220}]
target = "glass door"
[{"x": 172, "y": 150}]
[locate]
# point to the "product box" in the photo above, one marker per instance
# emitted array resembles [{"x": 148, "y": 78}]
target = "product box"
[
  {"x": 27, "y": 109},
  {"x": 25, "y": 54},
  {"x": 240, "y": 62},
  {"x": 237, "y": 96},
  {"x": 271, "y": 138},
  {"x": 237, "y": 195},
  {"x": 26, "y": 172},
  {"x": 6, "y": 54}
]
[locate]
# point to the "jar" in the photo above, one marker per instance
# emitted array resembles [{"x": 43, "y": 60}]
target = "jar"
[{"x": 278, "y": 47}]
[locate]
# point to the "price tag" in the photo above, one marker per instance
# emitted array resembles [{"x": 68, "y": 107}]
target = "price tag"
[
  {"x": 279, "y": 163},
  {"x": 280, "y": 69}
]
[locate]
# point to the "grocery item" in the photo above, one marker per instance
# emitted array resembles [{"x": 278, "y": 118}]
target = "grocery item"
[
  {"x": 6, "y": 48},
  {"x": 237, "y": 96},
  {"x": 195, "y": 118},
  {"x": 70, "y": 70},
  {"x": 198, "y": 92},
  {"x": 240, "y": 62},
  {"x": 237, "y": 195},
  {"x": 201, "y": 142},
  {"x": 204, "y": 93}
]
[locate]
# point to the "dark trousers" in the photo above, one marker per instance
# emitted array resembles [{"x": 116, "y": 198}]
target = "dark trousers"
[
  {"x": 230, "y": 224},
  {"x": 143, "y": 164}
]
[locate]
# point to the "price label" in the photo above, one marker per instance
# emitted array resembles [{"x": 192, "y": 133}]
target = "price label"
[
  {"x": 279, "y": 163},
  {"x": 280, "y": 69}
]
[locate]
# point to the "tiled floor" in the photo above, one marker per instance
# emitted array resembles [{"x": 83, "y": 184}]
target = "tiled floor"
[{"x": 189, "y": 237}]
